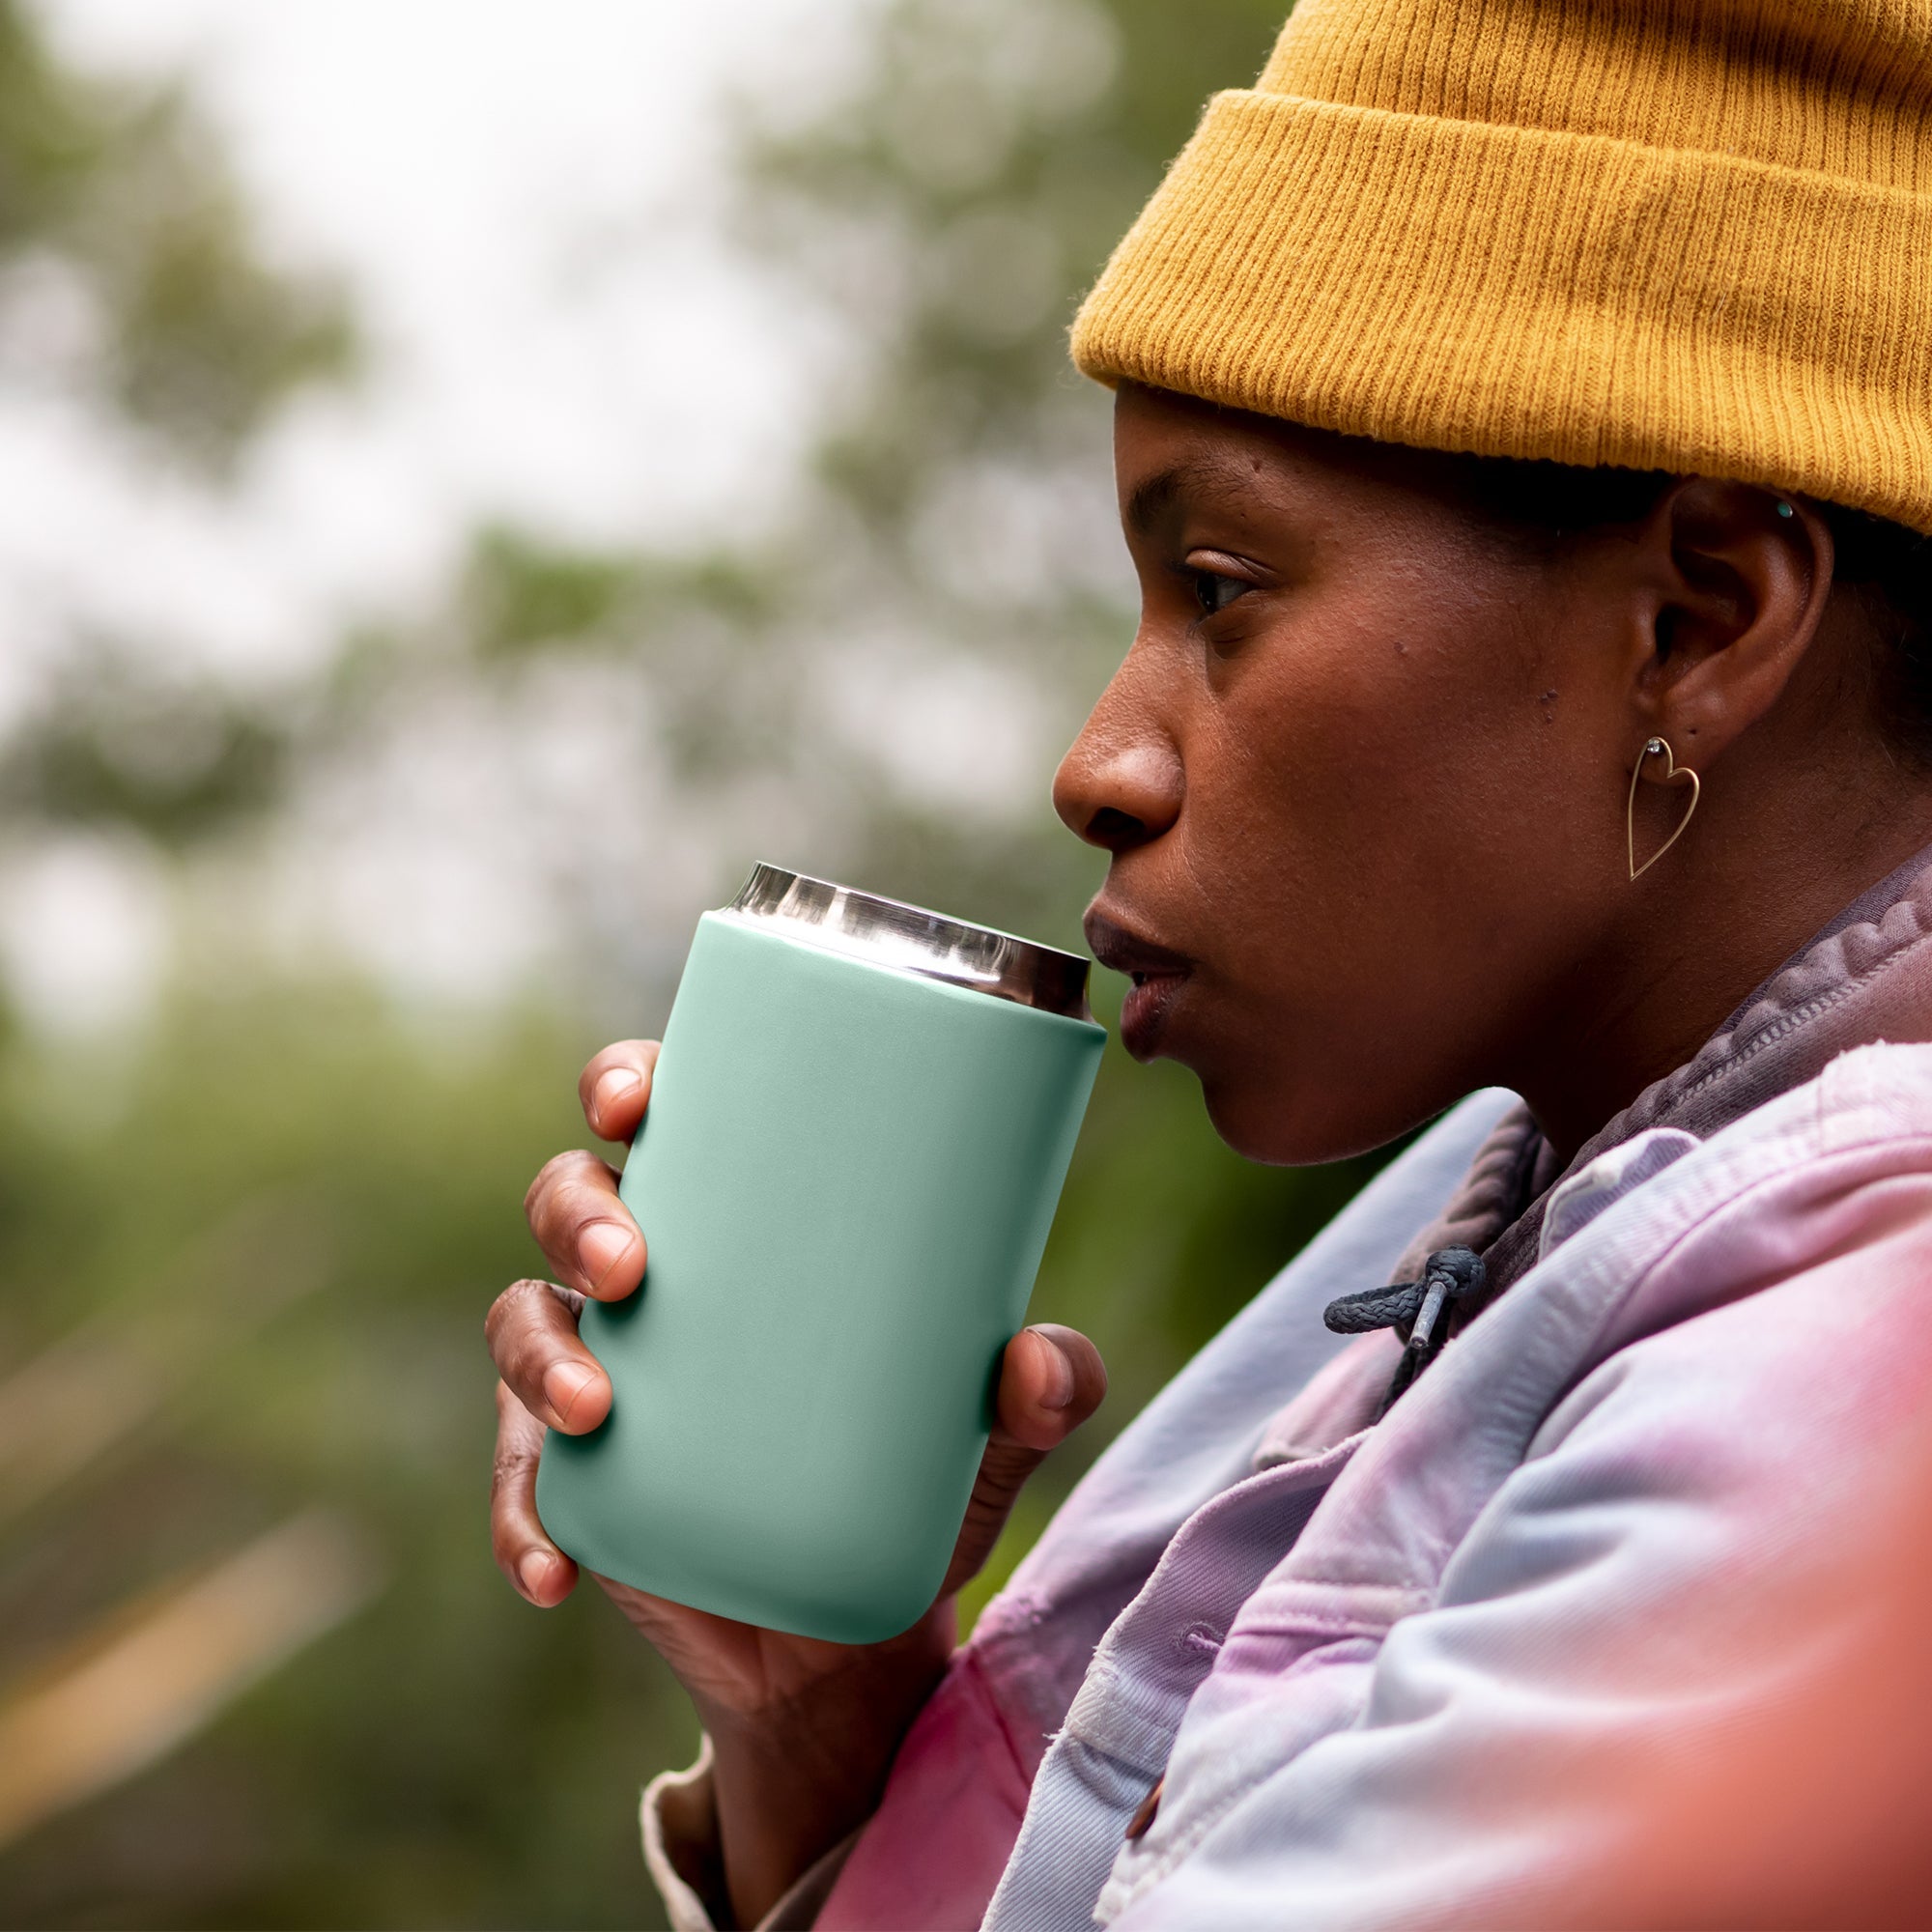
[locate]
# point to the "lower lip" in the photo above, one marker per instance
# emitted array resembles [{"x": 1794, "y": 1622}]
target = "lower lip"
[{"x": 1144, "y": 1012}]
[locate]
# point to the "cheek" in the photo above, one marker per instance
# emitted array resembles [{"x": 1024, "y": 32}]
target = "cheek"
[
  {"x": 1378, "y": 758},
  {"x": 1392, "y": 807}
]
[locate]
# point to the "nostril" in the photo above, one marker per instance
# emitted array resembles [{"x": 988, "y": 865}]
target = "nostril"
[{"x": 1111, "y": 827}]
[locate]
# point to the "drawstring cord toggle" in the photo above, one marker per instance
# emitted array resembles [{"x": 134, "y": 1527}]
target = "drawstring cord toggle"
[{"x": 1417, "y": 1310}]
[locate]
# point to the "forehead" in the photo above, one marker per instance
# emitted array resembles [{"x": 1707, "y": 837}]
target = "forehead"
[
  {"x": 1178, "y": 457},
  {"x": 1174, "y": 456},
  {"x": 1172, "y": 453}
]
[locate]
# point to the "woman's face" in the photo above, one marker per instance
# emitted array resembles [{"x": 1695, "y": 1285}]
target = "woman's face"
[{"x": 1362, "y": 777}]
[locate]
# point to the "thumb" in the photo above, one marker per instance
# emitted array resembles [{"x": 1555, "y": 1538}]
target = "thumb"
[{"x": 1051, "y": 1381}]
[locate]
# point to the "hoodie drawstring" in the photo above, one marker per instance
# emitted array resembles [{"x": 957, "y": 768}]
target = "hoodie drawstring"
[{"x": 1417, "y": 1310}]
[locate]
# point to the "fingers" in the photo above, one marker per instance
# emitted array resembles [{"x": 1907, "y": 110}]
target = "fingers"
[
  {"x": 540, "y": 1570},
  {"x": 584, "y": 1231},
  {"x": 531, "y": 1329},
  {"x": 1051, "y": 1381},
  {"x": 615, "y": 1087}
]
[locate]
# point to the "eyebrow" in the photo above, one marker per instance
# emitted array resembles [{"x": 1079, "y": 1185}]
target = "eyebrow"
[{"x": 1158, "y": 494}]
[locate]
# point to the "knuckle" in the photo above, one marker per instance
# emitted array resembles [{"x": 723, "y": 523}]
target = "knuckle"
[
  {"x": 560, "y": 1172},
  {"x": 503, "y": 1311},
  {"x": 581, "y": 1188},
  {"x": 522, "y": 1306},
  {"x": 508, "y": 1471},
  {"x": 503, "y": 1471},
  {"x": 546, "y": 1178}
]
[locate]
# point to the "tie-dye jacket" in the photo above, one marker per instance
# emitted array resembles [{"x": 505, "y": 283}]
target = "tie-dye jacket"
[{"x": 1582, "y": 1633}]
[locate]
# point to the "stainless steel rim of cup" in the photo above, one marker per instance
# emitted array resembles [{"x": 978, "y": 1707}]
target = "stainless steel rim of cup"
[{"x": 914, "y": 940}]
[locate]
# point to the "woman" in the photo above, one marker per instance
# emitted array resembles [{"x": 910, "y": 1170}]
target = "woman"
[{"x": 1523, "y": 427}]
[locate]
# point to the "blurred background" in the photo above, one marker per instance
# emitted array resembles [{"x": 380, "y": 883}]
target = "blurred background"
[{"x": 473, "y": 476}]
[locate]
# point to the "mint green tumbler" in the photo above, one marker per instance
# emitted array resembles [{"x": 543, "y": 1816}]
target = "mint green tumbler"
[{"x": 858, "y": 1133}]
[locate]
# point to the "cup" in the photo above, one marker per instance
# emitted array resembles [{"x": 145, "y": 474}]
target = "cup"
[{"x": 858, "y": 1130}]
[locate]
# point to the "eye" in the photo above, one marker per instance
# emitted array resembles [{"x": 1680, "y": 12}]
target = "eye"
[{"x": 1214, "y": 592}]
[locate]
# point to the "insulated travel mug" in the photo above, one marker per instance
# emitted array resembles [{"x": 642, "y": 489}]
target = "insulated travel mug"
[{"x": 857, "y": 1136}]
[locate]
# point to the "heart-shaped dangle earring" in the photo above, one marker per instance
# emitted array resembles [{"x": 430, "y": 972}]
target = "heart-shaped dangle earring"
[{"x": 1672, "y": 774}]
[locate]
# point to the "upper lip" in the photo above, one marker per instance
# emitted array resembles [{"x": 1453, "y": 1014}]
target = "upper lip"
[{"x": 1125, "y": 950}]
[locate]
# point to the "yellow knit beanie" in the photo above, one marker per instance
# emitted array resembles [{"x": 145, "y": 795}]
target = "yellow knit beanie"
[{"x": 1685, "y": 234}]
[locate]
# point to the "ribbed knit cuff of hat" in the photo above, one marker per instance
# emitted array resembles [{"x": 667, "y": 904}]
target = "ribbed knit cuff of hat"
[{"x": 1690, "y": 235}]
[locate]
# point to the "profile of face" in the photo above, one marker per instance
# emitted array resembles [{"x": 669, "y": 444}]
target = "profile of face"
[{"x": 1363, "y": 772}]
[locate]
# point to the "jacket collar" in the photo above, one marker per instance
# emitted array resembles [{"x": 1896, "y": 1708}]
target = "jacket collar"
[{"x": 1867, "y": 976}]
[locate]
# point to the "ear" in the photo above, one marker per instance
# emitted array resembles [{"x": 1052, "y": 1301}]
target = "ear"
[{"x": 1737, "y": 588}]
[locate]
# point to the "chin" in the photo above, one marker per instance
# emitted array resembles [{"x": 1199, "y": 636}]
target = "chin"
[
  {"x": 1282, "y": 1123},
  {"x": 1260, "y": 1125}
]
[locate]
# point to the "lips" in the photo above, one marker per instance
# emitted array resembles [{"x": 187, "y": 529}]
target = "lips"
[{"x": 1159, "y": 973}]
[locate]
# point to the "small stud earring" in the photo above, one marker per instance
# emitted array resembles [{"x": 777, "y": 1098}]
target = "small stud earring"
[{"x": 1785, "y": 510}]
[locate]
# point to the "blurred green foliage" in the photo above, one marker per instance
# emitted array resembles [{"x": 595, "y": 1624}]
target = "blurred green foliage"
[
  {"x": 450, "y": 1757},
  {"x": 115, "y": 195},
  {"x": 967, "y": 197},
  {"x": 116, "y": 744},
  {"x": 954, "y": 211},
  {"x": 332, "y": 1192},
  {"x": 132, "y": 281}
]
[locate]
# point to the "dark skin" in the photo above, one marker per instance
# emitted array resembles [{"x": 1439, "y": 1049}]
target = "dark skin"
[
  {"x": 1374, "y": 804},
  {"x": 1362, "y": 777}
]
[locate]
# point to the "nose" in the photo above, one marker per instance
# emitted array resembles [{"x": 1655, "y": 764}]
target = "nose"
[{"x": 1117, "y": 789}]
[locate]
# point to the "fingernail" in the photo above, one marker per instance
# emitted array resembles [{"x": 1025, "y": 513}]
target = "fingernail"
[
  {"x": 532, "y": 1572},
  {"x": 600, "y": 1247},
  {"x": 1060, "y": 1381},
  {"x": 611, "y": 1087},
  {"x": 563, "y": 1383}
]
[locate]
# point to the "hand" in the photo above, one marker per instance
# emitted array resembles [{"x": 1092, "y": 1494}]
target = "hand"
[{"x": 803, "y": 1730}]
